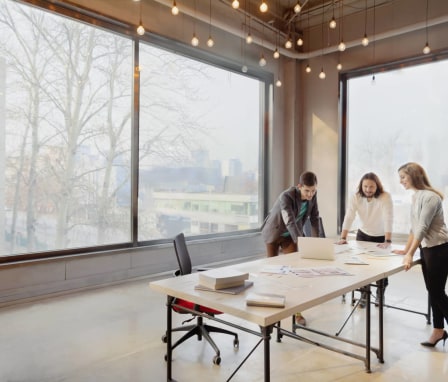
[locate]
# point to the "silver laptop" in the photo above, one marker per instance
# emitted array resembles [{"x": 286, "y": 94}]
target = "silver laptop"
[{"x": 316, "y": 248}]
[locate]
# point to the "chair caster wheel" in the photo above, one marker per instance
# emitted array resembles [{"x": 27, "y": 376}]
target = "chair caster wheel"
[
  {"x": 216, "y": 360},
  {"x": 164, "y": 338},
  {"x": 236, "y": 343}
]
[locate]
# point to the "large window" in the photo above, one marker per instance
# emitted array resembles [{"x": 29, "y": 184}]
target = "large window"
[
  {"x": 199, "y": 147},
  {"x": 65, "y": 126},
  {"x": 67, "y": 133},
  {"x": 394, "y": 117}
]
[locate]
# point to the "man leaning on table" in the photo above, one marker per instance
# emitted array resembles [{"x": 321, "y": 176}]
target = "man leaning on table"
[
  {"x": 374, "y": 207},
  {"x": 287, "y": 218}
]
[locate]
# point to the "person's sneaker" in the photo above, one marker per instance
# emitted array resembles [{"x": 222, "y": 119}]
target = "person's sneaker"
[{"x": 300, "y": 320}]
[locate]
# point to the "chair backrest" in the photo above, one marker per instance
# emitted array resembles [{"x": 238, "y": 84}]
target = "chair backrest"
[{"x": 183, "y": 257}]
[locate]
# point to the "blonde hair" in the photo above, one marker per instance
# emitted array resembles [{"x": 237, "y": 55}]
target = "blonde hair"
[{"x": 418, "y": 176}]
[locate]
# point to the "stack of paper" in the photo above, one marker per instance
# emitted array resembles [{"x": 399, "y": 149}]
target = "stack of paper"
[{"x": 222, "y": 278}]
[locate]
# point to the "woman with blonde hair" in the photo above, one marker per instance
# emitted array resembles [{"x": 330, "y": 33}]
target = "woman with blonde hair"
[{"x": 430, "y": 234}]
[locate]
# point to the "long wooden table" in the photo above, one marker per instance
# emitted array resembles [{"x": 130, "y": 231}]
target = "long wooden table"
[{"x": 301, "y": 294}]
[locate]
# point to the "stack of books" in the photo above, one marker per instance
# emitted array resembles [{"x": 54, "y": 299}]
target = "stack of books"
[{"x": 225, "y": 280}]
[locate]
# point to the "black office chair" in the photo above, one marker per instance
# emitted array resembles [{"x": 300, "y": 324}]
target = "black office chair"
[{"x": 199, "y": 329}]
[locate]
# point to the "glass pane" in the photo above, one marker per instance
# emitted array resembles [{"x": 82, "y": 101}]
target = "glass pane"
[
  {"x": 199, "y": 147},
  {"x": 397, "y": 118},
  {"x": 65, "y": 107}
]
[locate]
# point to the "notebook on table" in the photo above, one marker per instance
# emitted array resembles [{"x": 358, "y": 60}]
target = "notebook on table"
[{"x": 319, "y": 248}]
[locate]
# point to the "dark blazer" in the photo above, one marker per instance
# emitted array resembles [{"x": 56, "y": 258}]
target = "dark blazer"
[{"x": 282, "y": 217}]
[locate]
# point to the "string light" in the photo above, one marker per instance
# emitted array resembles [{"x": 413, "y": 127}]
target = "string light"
[
  {"x": 333, "y": 24},
  {"x": 174, "y": 9},
  {"x": 210, "y": 41},
  {"x": 140, "y": 28},
  {"x": 427, "y": 49},
  {"x": 194, "y": 40},
  {"x": 322, "y": 74},
  {"x": 365, "y": 40}
]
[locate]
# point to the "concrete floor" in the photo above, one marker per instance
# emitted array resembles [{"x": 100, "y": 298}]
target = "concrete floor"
[{"x": 114, "y": 334}]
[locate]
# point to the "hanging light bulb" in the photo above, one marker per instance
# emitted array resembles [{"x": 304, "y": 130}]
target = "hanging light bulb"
[
  {"x": 341, "y": 46},
  {"x": 300, "y": 41},
  {"x": 426, "y": 49},
  {"x": 174, "y": 9},
  {"x": 278, "y": 83},
  {"x": 194, "y": 40},
  {"x": 235, "y": 4},
  {"x": 308, "y": 69},
  {"x": 276, "y": 54},
  {"x": 332, "y": 23},
  {"x": 288, "y": 43},
  {"x": 297, "y": 8},
  {"x": 210, "y": 41},
  {"x": 322, "y": 74},
  {"x": 141, "y": 30},
  {"x": 263, "y": 7},
  {"x": 365, "y": 41},
  {"x": 262, "y": 61},
  {"x": 249, "y": 38},
  {"x": 339, "y": 66}
]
